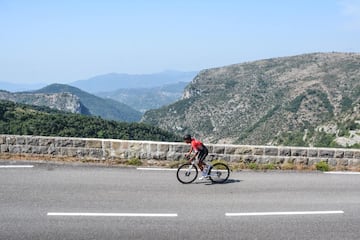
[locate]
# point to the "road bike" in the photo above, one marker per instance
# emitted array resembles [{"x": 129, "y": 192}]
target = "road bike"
[{"x": 218, "y": 172}]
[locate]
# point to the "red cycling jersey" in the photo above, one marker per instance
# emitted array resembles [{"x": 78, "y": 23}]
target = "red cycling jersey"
[{"x": 196, "y": 145}]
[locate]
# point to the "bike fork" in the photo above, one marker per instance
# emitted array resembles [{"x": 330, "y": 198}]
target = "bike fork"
[{"x": 188, "y": 172}]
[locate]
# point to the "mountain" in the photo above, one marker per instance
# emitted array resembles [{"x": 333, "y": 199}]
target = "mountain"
[
  {"x": 21, "y": 119},
  {"x": 143, "y": 99},
  {"x": 61, "y": 101},
  {"x": 105, "y": 108},
  {"x": 113, "y": 81},
  {"x": 269, "y": 101}
]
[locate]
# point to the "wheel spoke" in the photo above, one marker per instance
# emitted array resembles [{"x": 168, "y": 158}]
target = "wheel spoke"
[
  {"x": 219, "y": 173},
  {"x": 187, "y": 173}
]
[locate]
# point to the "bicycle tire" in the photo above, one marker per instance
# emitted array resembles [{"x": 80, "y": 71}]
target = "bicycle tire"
[
  {"x": 219, "y": 173},
  {"x": 187, "y": 173}
]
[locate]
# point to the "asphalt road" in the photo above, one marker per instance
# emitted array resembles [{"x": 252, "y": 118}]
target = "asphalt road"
[{"x": 79, "y": 202}]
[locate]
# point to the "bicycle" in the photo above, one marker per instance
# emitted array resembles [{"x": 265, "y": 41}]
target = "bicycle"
[{"x": 218, "y": 172}]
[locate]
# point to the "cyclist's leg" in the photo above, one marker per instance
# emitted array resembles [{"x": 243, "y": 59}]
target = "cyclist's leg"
[{"x": 201, "y": 158}]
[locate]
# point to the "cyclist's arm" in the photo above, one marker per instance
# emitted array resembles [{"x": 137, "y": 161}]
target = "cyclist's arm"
[
  {"x": 193, "y": 157},
  {"x": 188, "y": 154}
]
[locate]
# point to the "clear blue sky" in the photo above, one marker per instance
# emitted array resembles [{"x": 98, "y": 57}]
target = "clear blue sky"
[{"x": 67, "y": 40}]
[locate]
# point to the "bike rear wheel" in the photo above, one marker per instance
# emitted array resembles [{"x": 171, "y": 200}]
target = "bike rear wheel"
[
  {"x": 187, "y": 173},
  {"x": 219, "y": 173}
]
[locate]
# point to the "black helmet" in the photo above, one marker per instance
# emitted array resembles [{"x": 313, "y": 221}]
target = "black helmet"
[{"x": 187, "y": 137}]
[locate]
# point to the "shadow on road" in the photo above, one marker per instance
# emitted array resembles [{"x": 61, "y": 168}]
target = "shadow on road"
[
  {"x": 232, "y": 181},
  {"x": 229, "y": 181}
]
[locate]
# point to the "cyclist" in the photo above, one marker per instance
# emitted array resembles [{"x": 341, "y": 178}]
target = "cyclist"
[{"x": 200, "y": 152}]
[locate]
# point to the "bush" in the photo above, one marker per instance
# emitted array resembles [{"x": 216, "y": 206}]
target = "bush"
[
  {"x": 253, "y": 166},
  {"x": 295, "y": 104},
  {"x": 322, "y": 166},
  {"x": 324, "y": 139},
  {"x": 134, "y": 162},
  {"x": 269, "y": 166}
]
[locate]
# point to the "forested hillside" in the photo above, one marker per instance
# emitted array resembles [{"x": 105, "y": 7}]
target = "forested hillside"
[{"x": 32, "y": 120}]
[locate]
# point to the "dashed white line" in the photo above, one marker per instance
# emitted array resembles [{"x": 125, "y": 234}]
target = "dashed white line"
[
  {"x": 246, "y": 214},
  {"x": 16, "y": 166},
  {"x": 282, "y": 213},
  {"x": 344, "y": 173},
  {"x": 74, "y": 214}
]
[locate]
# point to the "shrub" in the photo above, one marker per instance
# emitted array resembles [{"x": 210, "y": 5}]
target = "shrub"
[
  {"x": 253, "y": 166},
  {"x": 134, "y": 162},
  {"x": 269, "y": 166},
  {"x": 295, "y": 104},
  {"x": 322, "y": 166}
]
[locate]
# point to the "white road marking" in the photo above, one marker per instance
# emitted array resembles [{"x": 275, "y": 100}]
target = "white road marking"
[
  {"x": 16, "y": 166},
  {"x": 345, "y": 173},
  {"x": 281, "y": 213},
  {"x": 156, "y": 169},
  {"x": 73, "y": 214}
]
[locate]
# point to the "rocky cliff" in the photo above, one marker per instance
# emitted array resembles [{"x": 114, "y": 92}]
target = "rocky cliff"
[
  {"x": 258, "y": 102},
  {"x": 60, "y": 101}
]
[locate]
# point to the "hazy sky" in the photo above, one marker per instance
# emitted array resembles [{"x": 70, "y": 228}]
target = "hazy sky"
[{"x": 67, "y": 40}]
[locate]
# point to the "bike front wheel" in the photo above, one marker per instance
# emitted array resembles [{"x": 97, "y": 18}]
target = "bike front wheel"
[
  {"x": 219, "y": 173},
  {"x": 187, "y": 173}
]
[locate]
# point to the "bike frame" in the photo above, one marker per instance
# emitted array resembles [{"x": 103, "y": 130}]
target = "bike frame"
[{"x": 194, "y": 163}]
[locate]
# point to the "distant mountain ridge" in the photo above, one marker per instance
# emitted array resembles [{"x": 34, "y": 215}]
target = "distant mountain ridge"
[
  {"x": 268, "y": 101},
  {"x": 138, "y": 91},
  {"x": 143, "y": 99},
  {"x": 113, "y": 81}
]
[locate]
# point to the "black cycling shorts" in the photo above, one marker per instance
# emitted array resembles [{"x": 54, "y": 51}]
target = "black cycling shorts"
[{"x": 202, "y": 154}]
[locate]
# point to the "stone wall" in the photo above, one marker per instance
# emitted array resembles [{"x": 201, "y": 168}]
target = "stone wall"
[{"x": 83, "y": 149}]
